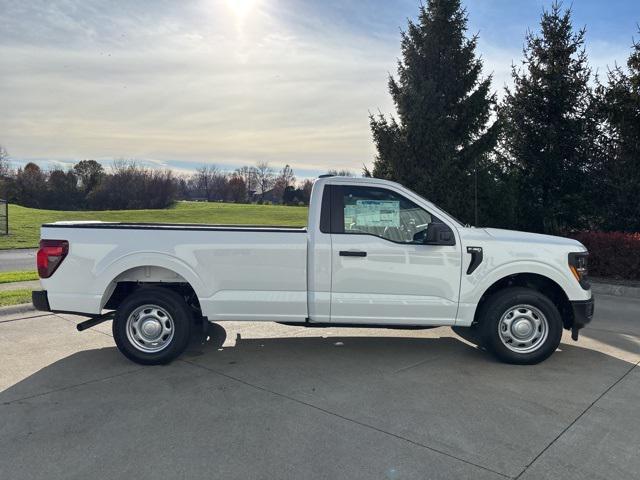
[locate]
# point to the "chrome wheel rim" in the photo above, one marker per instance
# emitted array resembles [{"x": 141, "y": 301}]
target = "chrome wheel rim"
[
  {"x": 150, "y": 328},
  {"x": 523, "y": 329}
]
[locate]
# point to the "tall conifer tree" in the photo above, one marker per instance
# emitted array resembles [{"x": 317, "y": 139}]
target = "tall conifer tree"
[
  {"x": 443, "y": 107},
  {"x": 550, "y": 136},
  {"x": 621, "y": 172}
]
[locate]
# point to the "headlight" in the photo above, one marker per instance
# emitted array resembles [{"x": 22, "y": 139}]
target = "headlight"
[{"x": 578, "y": 266}]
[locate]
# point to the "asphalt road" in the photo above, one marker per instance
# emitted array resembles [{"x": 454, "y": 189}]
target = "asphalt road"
[
  {"x": 18, "y": 259},
  {"x": 270, "y": 401}
]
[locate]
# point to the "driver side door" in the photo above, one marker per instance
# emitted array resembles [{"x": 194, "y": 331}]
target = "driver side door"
[{"x": 382, "y": 270}]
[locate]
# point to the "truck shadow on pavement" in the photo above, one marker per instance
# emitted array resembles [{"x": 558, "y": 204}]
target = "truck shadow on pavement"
[{"x": 332, "y": 406}]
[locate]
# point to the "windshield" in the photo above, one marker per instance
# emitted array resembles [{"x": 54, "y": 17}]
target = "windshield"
[{"x": 438, "y": 207}]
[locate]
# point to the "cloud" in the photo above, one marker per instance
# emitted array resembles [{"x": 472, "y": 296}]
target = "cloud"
[
  {"x": 187, "y": 82},
  {"x": 189, "y": 88}
]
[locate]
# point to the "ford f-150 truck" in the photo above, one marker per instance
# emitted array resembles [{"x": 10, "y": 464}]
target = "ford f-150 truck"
[{"x": 374, "y": 254}]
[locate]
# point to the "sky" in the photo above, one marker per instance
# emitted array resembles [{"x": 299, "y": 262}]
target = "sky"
[{"x": 184, "y": 83}]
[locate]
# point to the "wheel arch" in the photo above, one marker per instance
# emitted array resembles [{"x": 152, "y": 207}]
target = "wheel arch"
[
  {"x": 130, "y": 273},
  {"x": 541, "y": 283}
]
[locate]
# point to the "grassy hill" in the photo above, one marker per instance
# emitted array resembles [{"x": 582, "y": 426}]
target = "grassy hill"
[{"x": 24, "y": 223}]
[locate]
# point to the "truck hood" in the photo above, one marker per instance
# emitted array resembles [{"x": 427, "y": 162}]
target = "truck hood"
[{"x": 526, "y": 237}]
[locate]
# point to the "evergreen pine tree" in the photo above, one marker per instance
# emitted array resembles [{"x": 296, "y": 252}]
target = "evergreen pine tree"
[
  {"x": 443, "y": 108},
  {"x": 621, "y": 172},
  {"x": 550, "y": 130}
]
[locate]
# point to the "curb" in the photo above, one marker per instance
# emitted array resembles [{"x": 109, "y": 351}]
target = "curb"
[
  {"x": 15, "y": 309},
  {"x": 613, "y": 289}
]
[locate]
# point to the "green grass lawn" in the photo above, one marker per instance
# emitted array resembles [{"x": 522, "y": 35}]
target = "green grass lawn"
[
  {"x": 24, "y": 276},
  {"x": 15, "y": 297},
  {"x": 24, "y": 223}
]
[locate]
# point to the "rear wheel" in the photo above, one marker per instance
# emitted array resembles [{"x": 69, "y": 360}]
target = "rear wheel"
[
  {"x": 152, "y": 326},
  {"x": 520, "y": 325}
]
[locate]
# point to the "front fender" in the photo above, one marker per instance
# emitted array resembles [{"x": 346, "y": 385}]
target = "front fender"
[{"x": 473, "y": 287}]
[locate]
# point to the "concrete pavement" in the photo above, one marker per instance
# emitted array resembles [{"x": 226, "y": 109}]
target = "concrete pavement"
[
  {"x": 18, "y": 259},
  {"x": 261, "y": 400}
]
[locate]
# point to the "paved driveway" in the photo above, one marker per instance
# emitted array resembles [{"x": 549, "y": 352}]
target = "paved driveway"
[
  {"x": 271, "y": 401},
  {"x": 18, "y": 259}
]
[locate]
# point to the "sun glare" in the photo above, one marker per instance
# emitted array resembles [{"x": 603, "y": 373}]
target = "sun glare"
[{"x": 241, "y": 7}]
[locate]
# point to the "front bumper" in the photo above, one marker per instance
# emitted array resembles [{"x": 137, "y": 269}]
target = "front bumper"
[
  {"x": 582, "y": 312},
  {"x": 40, "y": 300}
]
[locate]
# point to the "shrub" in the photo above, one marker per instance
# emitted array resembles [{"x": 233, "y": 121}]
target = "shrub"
[{"x": 612, "y": 254}]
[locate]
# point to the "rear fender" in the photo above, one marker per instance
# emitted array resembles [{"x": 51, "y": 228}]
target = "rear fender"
[{"x": 152, "y": 262}]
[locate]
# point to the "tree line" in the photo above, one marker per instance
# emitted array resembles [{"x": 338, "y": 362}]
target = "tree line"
[
  {"x": 88, "y": 186},
  {"x": 560, "y": 151},
  {"x": 127, "y": 185},
  {"x": 259, "y": 184}
]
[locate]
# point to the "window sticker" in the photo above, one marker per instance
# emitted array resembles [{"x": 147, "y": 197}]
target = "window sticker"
[{"x": 372, "y": 213}]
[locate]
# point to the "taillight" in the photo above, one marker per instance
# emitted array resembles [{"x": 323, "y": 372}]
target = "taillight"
[{"x": 50, "y": 256}]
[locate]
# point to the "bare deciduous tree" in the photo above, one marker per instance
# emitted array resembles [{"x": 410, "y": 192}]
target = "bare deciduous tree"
[
  {"x": 250, "y": 179},
  {"x": 306, "y": 190},
  {"x": 4, "y": 162},
  {"x": 206, "y": 179},
  {"x": 340, "y": 173},
  {"x": 264, "y": 178},
  {"x": 285, "y": 178}
]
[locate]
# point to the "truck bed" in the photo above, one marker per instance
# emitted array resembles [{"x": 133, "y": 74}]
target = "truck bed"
[{"x": 238, "y": 272}]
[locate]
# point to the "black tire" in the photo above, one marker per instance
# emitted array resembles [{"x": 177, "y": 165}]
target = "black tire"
[
  {"x": 499, "y": 305},
  {"x": 176, "y": 341}
]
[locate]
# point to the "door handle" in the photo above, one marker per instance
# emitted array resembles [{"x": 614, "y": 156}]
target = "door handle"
[{"x": 352, "y": 253}]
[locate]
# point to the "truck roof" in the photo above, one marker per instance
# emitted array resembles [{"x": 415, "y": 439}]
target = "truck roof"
[{"x": 360, "y": 180}]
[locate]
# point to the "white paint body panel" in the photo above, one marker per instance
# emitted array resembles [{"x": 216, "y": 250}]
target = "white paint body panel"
[
  {"x": 394, "y": 283},
  {"x": 295, "y": 275},
  {"x": 237, "y": 275}
]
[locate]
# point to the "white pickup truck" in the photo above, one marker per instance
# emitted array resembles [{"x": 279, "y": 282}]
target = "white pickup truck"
[{"x": 374, "y": 254}]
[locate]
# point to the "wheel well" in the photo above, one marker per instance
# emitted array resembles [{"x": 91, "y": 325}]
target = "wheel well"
[
  {"x": 124, "y": 289},
  {"x": 135, "y": 278},
  {"x": 140, "y": 277},
  {"x": 542, "y": 284}
]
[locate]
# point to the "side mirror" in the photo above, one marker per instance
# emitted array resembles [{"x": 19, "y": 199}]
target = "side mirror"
[{"x": 439, "y": 234}]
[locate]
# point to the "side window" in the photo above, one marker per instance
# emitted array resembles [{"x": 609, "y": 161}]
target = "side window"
[{"x": 384, "y": 213}]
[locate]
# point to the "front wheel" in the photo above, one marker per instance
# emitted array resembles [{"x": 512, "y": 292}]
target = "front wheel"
[
  {"x": 152, "y": 326},
  {"x": 520, "y": 325}
]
